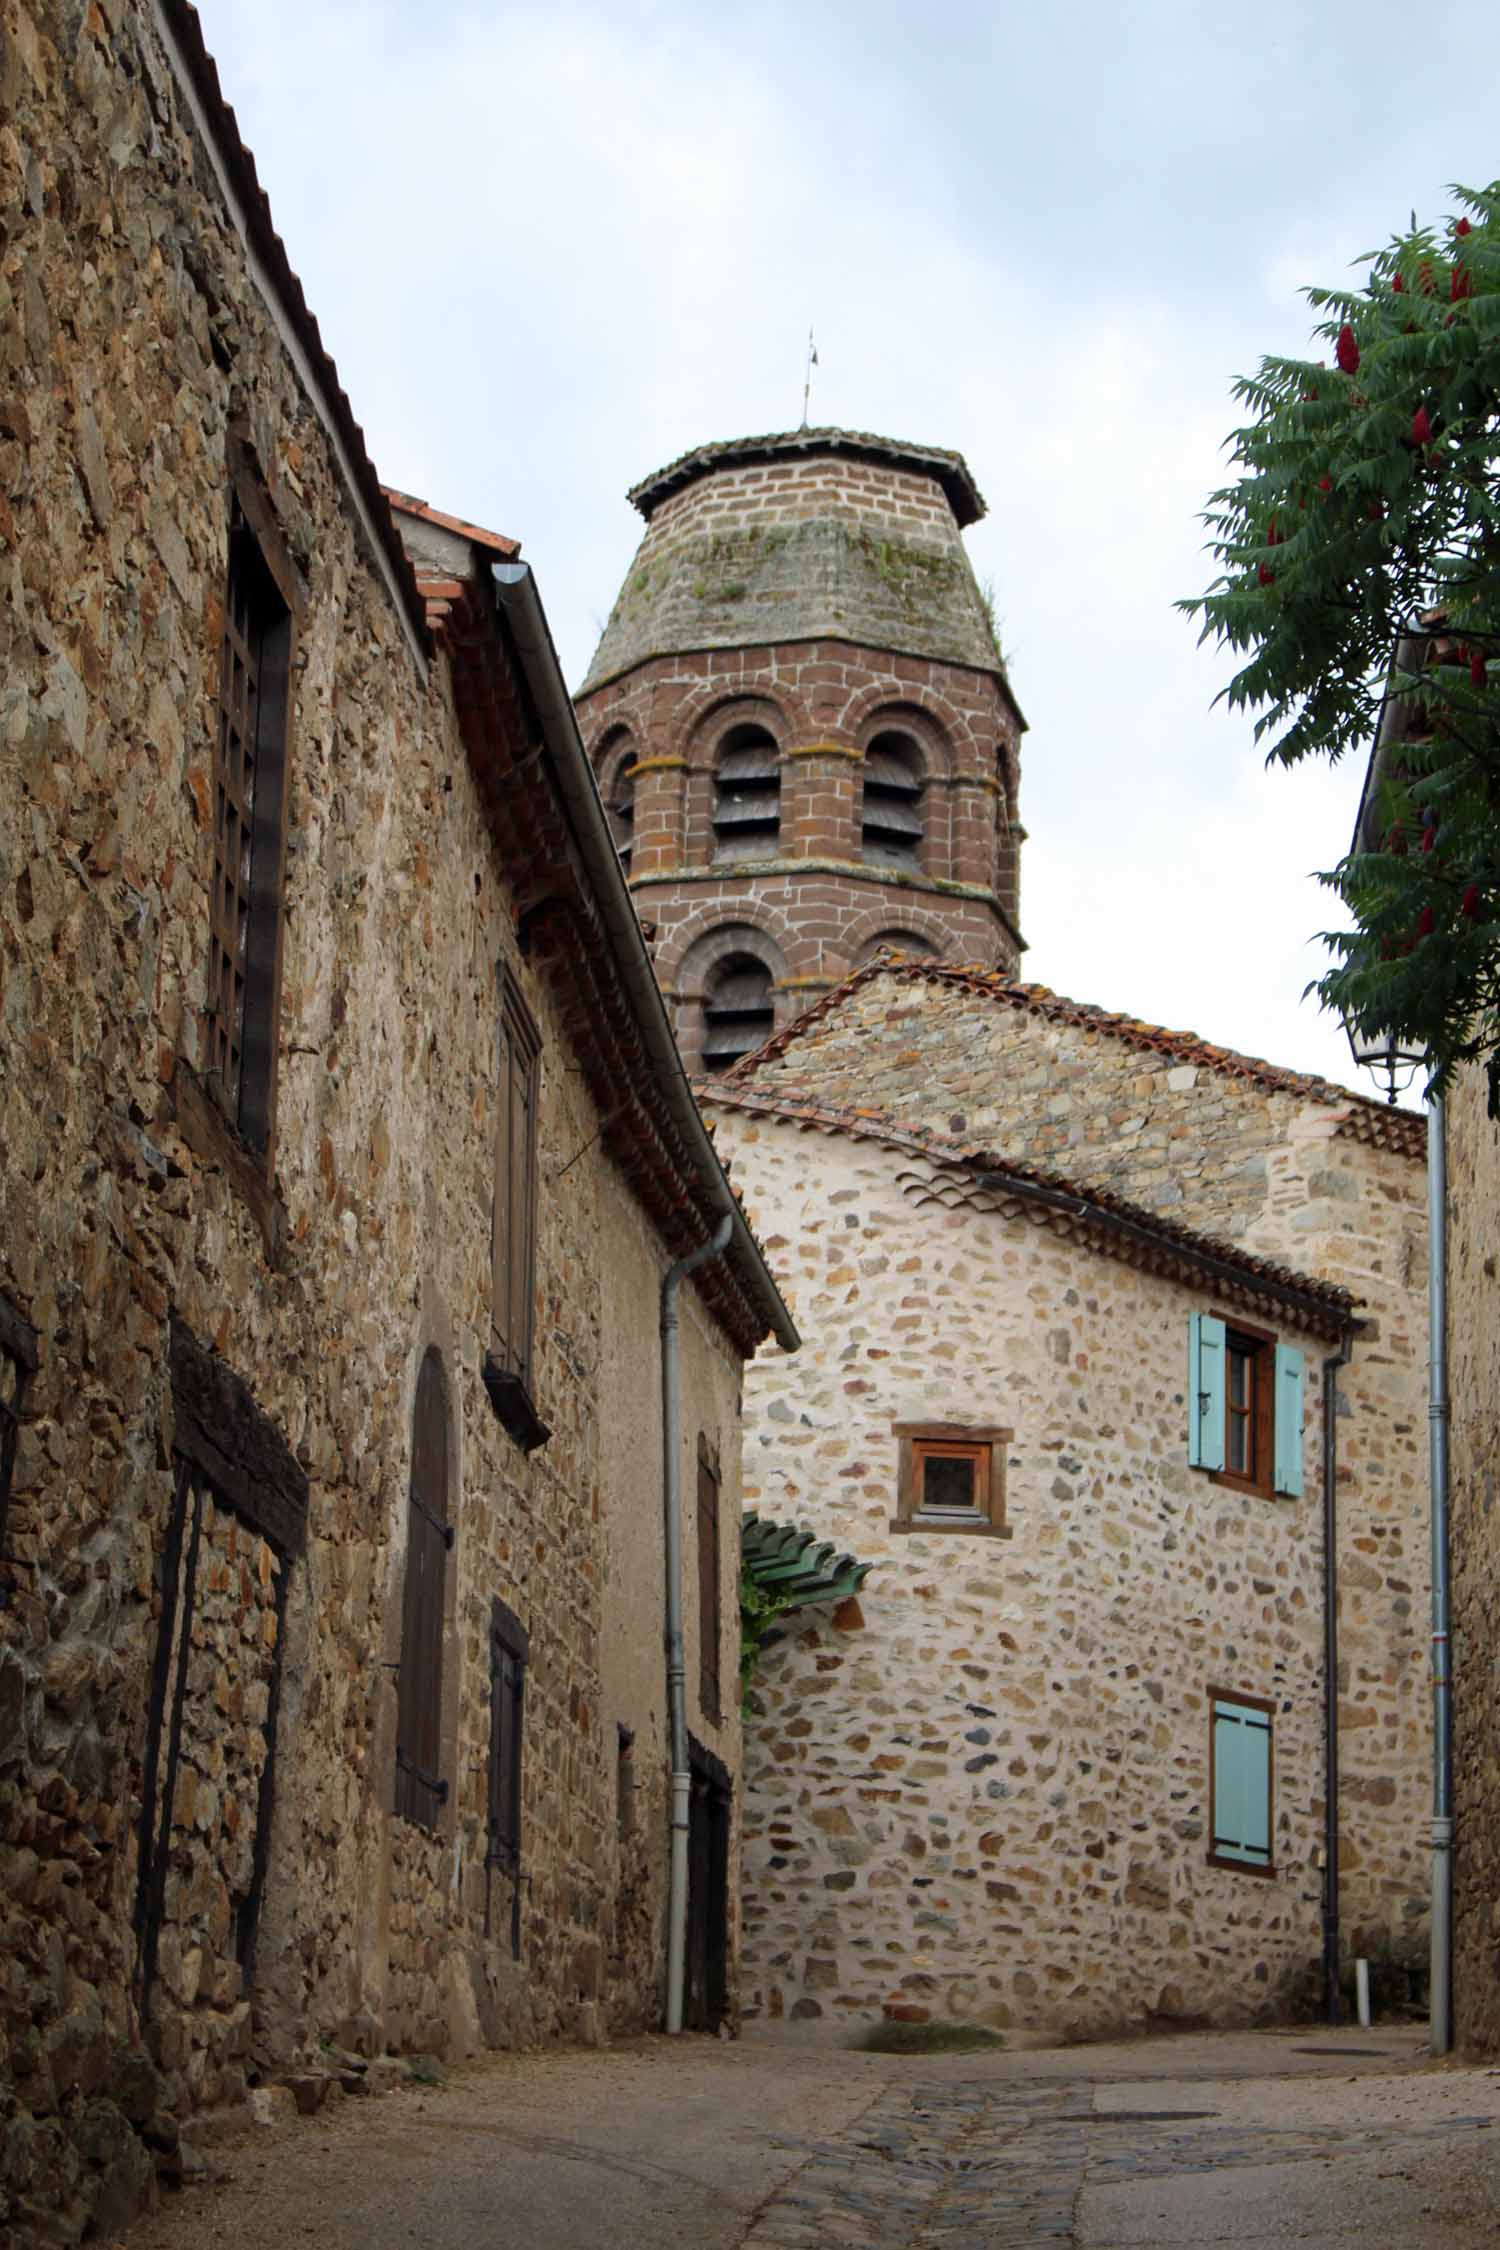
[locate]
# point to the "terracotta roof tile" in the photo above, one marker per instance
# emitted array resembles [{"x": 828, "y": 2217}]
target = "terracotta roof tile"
[{"x": 406, "y": 504}]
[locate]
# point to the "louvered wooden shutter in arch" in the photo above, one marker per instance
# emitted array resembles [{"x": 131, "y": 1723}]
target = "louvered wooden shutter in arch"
[{"x": 420, "y": 1787}]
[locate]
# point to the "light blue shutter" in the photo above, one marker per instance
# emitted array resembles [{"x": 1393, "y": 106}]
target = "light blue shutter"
[
  {"x": 1205, "y": 1402},
  {"x": 1288, "y": 1421},
  {"x": 1242, "y": 1784}
]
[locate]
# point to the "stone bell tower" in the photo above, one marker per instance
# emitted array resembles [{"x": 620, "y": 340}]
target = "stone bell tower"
[{"x": 802, "y": 727}]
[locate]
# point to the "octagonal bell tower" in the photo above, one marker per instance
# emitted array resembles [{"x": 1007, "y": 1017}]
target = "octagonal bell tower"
[{"x": 802, "y": 727}]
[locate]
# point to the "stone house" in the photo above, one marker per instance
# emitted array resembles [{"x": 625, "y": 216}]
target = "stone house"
[
  {"x": 1065, "y": 1766},
  {"x": 343, "y": 1151}
]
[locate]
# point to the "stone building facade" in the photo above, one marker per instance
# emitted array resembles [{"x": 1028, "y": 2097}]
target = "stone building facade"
[
  {"x": 982, "y": 1792},
  {"x": 343, "y": 1150},
  {"x": 803, "y": 728}
]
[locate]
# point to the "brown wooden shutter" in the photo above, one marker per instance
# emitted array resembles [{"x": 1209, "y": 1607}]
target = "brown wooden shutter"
[
  {"x": 514, "y": 1249},
  {"x": 420, "y": 1788},
  {"x": 709, "y": 1618}
]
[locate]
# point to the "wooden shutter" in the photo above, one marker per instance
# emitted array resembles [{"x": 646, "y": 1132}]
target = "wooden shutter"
[
  {"x": 709, "y": 1619},
  {"x": 1288, "y": 1421},
  {"x": 1241, "y": 1783},
  {"x": 420, "y": 1788},
  {"x": 1205, "y": 1401},
  {"x": 514, "y": 1246}
]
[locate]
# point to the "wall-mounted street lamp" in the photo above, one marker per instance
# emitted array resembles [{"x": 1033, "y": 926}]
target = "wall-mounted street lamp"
[{"x": 1382, "y": 1053}]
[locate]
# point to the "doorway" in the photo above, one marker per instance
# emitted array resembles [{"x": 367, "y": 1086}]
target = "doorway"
[{"x": 707, "y": 1967}]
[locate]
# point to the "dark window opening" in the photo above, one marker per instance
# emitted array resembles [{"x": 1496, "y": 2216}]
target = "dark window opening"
[
  {"x": 18, "y": 1358},
  {"x": 710, "y": 1613},
  {"x": 421, "y": 1789},
  {"x": 739, "y": 1012},
  {"x": 510, "y": 1649},
  {"x": 249, "y": 801},
  {"x": 891, "y": 819},
  {"x": 949, "y": 1482},
  {"x": 625, "y": 1784},
  {"x": 747, "y": 795}
]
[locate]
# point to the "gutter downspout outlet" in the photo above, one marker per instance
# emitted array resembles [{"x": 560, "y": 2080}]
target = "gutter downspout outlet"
[{"x": 671, "y": 1485}]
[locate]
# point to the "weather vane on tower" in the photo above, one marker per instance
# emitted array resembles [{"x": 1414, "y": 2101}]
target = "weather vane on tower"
[{"x": 812, "y": 361}]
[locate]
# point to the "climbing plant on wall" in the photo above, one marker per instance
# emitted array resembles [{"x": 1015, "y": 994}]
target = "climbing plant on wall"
[{"x": 1359, "y": 554}]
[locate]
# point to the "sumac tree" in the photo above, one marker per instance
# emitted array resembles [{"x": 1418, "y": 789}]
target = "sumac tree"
[{"x": 1359, "y": 552}]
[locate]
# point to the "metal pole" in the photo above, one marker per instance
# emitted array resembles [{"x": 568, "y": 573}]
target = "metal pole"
[
  {"x": 1331, "y": 1367},
  {"x": 1441, "y": 1964}
]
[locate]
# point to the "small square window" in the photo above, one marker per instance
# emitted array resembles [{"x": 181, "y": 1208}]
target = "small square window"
[{"x": 951, "y": 1477}]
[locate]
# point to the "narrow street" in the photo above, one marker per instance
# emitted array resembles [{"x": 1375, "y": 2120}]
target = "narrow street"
[{"x": 1303, "y": 2136}]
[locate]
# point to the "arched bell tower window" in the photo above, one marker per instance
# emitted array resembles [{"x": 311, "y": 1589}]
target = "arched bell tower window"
[
  {"x": 621, "y": 810},
  {"x": 891, "y": 820},
  {"x": 615, "y": 765},
  {"x": 739, "y": 1013},
  {"x": 747, "y": 794}
]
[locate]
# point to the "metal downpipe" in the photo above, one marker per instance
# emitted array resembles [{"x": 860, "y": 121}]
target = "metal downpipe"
[
  {"x": 671, "y": 1485},
  {"x": 1441, "y": 1958},
  {"x": 1331, "y": 1366}
]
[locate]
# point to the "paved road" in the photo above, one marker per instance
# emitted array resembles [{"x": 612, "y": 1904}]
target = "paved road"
[{"x": 1248, "y": 2140}]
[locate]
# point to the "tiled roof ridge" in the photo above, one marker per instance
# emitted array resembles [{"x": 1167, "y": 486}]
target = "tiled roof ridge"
[
  {"x": 1404, "y": 1130},
  {"x": 408, "y": 504},
  {"x": 950, "y": 467},
  {"x": 1326, "y": 1303}
]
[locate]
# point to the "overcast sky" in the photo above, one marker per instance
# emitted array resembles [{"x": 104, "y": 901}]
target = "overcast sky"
[{"x": 552, "y": 247}]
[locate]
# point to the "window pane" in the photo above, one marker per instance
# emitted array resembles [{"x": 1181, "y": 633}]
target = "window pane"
[
  {"x": 948, "y": 1482},
  {"x": 1239, "y": 1442},
  {"x": 1239, "y": 1376}
]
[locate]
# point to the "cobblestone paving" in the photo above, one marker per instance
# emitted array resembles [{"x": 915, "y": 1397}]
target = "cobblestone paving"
[{"x": 986, "y": 2167}]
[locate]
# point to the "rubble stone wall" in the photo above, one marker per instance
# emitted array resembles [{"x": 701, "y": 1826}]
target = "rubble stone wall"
[
  {"x": 132, "y": 336},
  {"x": 980, "y": 1791},
  {"x": 1474, "y": 1547}
]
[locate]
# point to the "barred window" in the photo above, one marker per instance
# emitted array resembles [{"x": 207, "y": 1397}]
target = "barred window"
[
  {"x": 249, "y": 815},
  {"x": 421, "y": 1789}
]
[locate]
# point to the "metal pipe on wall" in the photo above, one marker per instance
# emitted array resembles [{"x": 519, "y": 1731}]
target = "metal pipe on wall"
[
  {"x": 1441, "y": 1957},
  {"x": 671, "y": 1486},
  {"x": 1331, "y": 1366}
]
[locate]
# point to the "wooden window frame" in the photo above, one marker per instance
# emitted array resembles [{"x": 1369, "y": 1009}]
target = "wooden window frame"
[
  {"x": 1244, "y": 1701},
  {"x": 710, "y": 1584},
  {"x": 508, "y": 1366},
  {"x": 421, "y": 1791},
  {"x": 247, "y": 902},
  {"x": 1258, "y": 1346},
  {"x": 983, "y": 1444}
]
